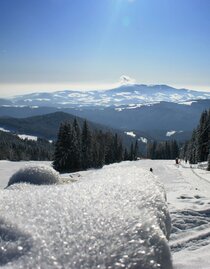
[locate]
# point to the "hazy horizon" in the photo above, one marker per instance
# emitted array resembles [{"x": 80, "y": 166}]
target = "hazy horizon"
[{"x": 10, "y": 90}]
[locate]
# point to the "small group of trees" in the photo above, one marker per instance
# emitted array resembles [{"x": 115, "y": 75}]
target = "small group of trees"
[
  {"x": 15, "y": 149},
  {"x": 167, "y": 150},
  {"x": 82, "y": 148},
  {"x": 197, "y": 149}
]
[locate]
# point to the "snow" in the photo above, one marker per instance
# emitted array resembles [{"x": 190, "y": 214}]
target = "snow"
[
  {"x": 188, "y": 195},
  {"x": 35, "y": 174},
  {"x": 170, "y": 133},
  {"x": 143, "y": 140},
  {"x": 21, "y": 136},
  {"x": 29, "y": 137},
  {"x": 131, "y": 133},
  {"x": 125, "y": 95},
  {"x": 95, "y": 219},
  {"x": 4, "y": 130},
  {"x": 187, "y": 103},
  {"x": 7, "y": 169},
  {"x": 115, "y": 217}
]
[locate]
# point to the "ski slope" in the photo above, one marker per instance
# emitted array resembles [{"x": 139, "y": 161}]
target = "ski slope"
[{"x": 188, "y": 197}]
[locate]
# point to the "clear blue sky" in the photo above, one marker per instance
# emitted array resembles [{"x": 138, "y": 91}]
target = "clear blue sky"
[{"x": 87, "y": 43}]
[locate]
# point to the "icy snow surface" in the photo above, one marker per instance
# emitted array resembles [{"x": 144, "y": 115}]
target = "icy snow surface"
[
  {"x": 188, "y": 196},
  {"x": 115, "y": 217}
]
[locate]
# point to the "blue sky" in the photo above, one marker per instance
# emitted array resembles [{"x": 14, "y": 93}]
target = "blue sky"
[{"x": 57, "y": 44}]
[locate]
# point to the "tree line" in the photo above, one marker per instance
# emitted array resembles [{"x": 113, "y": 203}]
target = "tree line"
[
  {"x": 166, "y": 150},
  {"x": 79, "y": 148},
  {"x": 197, "y": 149},
  {"x": 15, "y": 149}
]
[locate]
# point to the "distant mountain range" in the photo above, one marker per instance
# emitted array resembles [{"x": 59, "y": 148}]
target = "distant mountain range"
[
  {"x": 126, "y": 95},
  {"x": 142, "y": 112}
]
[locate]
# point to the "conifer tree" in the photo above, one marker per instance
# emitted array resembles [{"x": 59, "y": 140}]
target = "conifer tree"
[
  {"x": 61, "y": 149},
  {"x": 126, "y": 155},
  {"x": 87, "y": 147},
  {"x": 136, "y": 150},
  {"x": 131, "y": 157},
  {"x": 208, "y": 166},
  {"x": 78, "y": 142},
  {"x": 191, "y": 150}
]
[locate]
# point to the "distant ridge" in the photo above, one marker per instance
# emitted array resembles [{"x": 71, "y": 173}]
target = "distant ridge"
[{"x": 140, "y": 94}]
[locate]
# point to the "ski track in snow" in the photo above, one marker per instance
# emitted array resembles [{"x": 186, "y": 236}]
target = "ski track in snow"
[{"x": 188, "y": 193}]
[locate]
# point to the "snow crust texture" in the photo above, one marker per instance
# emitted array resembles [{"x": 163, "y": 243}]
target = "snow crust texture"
[
  {"x": 35, "y": 174},
  {"x": 116, "y": 217}
]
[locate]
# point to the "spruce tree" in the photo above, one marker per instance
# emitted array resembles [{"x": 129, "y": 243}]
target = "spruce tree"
[
  {"x": 66, "y": 151},
  {"x": 87, "y": 147},
  {"x": 60, "y": 155},
  {"x": 126, "y": 155},
  {"x": 192, "y": 148},
  {"x": 136, "y": 150},
  {"x": 131, "y": 155},
  {"x": 202, "y": 138},
  {"x": 208, "y": 166},
  {"x": 78, "y": 142}
]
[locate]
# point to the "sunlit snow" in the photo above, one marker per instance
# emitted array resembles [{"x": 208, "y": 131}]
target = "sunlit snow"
[
  {"x": 29, "y": 137},
  {"x": 143, "y": 140},
  {"x": 170, "y": 133},
  {"x": 130, "y": 134},
  {"x": 96, "y": 220},
  {"x": 115, "y": 217}
]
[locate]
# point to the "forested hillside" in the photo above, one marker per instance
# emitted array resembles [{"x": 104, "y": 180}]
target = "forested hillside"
[
  {"x": 15, "y": 149},
  {"x": 166, "y": 150},
  {"x": 82, "y": 148}
]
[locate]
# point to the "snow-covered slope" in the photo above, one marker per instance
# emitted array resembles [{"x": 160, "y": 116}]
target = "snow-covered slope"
[
  {"x": 115, "y": 217},
  {"x": 188, "y": 195},
  {"x": 132, "y": 96}
]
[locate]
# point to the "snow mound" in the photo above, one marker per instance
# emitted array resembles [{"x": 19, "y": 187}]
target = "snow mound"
[
  {"x": 35, "y": 174},
  {"x": 115, "y": 217}
]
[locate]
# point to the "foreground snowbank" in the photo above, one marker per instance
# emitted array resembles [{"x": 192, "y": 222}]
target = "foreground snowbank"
[
  {"x": 35, "y": 174},
  {"x": 115, "y": 217}
]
